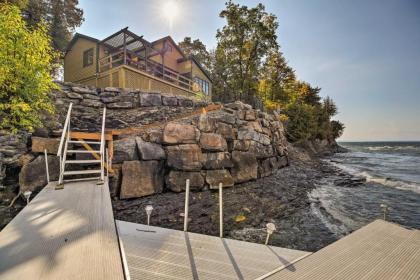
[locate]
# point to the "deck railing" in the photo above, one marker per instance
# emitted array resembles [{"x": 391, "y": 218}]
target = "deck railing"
[{"x": 146, "y": 65}]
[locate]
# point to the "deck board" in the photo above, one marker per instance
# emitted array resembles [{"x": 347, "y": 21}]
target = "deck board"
[
  {"x": 63, "y": 234},
  {"x": 160, "y": 253},
  {"x": 380, "y": 250}
]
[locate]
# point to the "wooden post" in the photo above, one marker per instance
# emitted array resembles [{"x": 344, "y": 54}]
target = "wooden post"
[
  {"x": 125, "y": 50},
  {"x": 46, "y": 165},
  {"x": 220, "y": 210},
  {"x": 187, "y": 199}
]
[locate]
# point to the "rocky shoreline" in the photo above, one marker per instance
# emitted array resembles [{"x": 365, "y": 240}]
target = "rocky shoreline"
[{"x": 282, "y": 198}]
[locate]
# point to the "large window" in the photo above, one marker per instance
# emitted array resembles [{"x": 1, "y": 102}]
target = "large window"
[
  {"x": 88, "y": 57},
  {"x": 203, "y": 84}
]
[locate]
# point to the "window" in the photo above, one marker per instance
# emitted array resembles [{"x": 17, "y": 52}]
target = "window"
[
  {"x": 88, "y": 57},
  {"x": 204, "y": 85}
]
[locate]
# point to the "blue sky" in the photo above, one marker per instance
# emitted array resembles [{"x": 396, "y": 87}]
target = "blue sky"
[{"x": 364, "y": 54}]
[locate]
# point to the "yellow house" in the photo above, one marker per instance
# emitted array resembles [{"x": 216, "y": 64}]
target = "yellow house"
[{"x": 126, "y": 60}]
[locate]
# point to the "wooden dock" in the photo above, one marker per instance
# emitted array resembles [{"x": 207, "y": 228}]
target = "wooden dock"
[
  {"x": 160, "y": 253},
  {"x": 72, "y": 234},
  {"x": 63, "y": 234},
  {"x": 380, "y": 250}
]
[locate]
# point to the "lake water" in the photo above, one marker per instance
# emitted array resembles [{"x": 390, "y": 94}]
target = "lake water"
[{"x": 391, "y": 171}]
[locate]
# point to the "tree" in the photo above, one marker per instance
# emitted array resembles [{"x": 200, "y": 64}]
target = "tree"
[
  {"x": 197, "y": 49},
  {"x": 242, "y": 44},
  {"x": 61, "y": 16},
  {"x": 25, "y": 66}
]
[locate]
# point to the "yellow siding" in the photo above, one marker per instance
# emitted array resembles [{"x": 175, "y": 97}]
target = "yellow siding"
[
  {"x": 196, "y": 71},
  {"x": 73, "y": 61},
  {"x": 184, "y": 67}
]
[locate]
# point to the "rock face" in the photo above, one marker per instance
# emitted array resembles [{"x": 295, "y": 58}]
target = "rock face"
[
  {"x": 217, "y": 160},
  {"x": 187, "y": 157},
  {"x": 150, "y": 182},
  {"x": 33, "y": 176},
  {"x": 245, "y": 166},
  {"x": 149, "y": 151},
  {"x": 176, "y": 180},
  {"x": 213, "y": 142},
  {"x": 215, "y": 177},
  {"x": 150, "y": 99},
  {"x": 176, "y": 133}
]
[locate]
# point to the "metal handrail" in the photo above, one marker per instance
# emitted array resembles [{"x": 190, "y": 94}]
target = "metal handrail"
[
  {"x": 103, "y": 144},
  {"x": 66, "y": 124}
]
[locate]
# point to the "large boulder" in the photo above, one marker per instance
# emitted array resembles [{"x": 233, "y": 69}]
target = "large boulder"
[
  {"x": 125, "y": 150},
  {"x": 250, "y": 134},
  {"x": 150, "y": 99},
  {"x": 83, "y": 90},
  {"x": 39, "y": 144},
  {"x": 217, "y": 160},
  {"x": 92, "y": 103},
  {"x": 169, "y": 100},
  {"x": 268, "y": 166},
  {"x": 205, "y": 124},
  {"x": 177, "y": 133},
  {"x": 149, "y": 151},
  {"x": 186, "y": 157},
  {"x": 176, "y": 180},
  {"x": 226, "y": 130},
  {"x": 120, "y": 105},
  {"x": 245, "y": 166},
  {"x": 215, "y": 177},
  {"x": 33, "y": 176},
  {"x": 141, "y": 178},
  {"x": 213, "y": 142}
]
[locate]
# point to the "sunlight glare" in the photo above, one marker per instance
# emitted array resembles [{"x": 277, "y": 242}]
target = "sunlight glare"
[{"x": 170, "y": 11}]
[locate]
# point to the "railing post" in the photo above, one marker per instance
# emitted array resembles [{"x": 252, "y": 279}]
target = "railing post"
[
  {"x": 187, "y": 198},
  {"x": 220, "y": 210},
  {"x": 102, "y": 149},
  {"x": 46, "y": 165}
]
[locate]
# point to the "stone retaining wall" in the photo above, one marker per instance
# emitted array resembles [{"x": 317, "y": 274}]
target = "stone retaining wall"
[{"x": 232, "y": 145}]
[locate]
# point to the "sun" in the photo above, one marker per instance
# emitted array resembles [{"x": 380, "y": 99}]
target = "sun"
[{"x": 170, "y": 11}]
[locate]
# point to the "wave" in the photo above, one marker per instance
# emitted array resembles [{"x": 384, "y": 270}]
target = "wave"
[
  {"x": 390, "y": 182},
  {"x": 392, "y": 148}
]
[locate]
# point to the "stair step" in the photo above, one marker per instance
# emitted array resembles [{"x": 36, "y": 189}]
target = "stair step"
[
  {"x": 84, "y": 142},
  {"x": 83, "y": 161},
  {"x": 83, "y": 151},
  {"x": 81, "y": 172},
  {"x": 81, "y": 179}
]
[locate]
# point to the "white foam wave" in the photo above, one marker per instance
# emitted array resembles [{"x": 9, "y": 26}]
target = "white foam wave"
[
  {"x": 390, "y": 182},
  {"x": 388, "y": 148}
]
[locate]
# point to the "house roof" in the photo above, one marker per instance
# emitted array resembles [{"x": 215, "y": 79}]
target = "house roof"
[{"x": 76, "y": 37}]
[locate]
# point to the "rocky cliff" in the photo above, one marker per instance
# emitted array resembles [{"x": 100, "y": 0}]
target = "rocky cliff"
[{"x": 179, "y": 141}]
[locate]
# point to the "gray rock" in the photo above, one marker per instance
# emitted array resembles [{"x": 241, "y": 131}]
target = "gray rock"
[
  {"x": 169, "y": 100},
  {"x": 149, "y": 151},
  {"x": 217, "y": 160},
  {"x": 150, "y": 99},
  {"x": 110, "y": 99},
  {"x": 33, "y": 176},
  {"x": 107, "y": 94},
  {"x": 83, "y": 90},
  {"x": 176, "y": 180},
  {"x": 186, "y": 157},
  {"x": 226, "y": 130},
  {"x": 120, "y": 105},
  {"x": 176, "y": 133},
  {"x": 213, "y": 142},
  {"x": 74, "y": 95},
  {"x": 141, "y": 178},
  {"x": 215, "y": 177},
  {"x": 112, "y": 89},
  {"x": 205, "y": 124},
  {"x": 91, "y": 96},
  {"x": 91, "y": 103},
  {"x": 185, "y": 102},
  {"x": 125, "y": 150},
  {"x": 245, "y": 166}
]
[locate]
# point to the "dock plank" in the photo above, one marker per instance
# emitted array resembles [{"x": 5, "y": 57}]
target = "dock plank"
[
  {"x": 63, "y": 234},
  {"x": 160, "y": 253}
]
